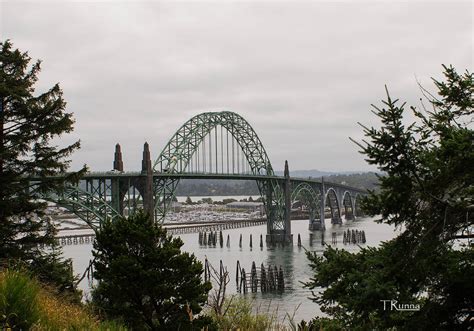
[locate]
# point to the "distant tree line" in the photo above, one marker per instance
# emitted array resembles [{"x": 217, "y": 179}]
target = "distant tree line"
[
  {"x": 365, "y": 181},
  {"x": 193, "y": 187}
]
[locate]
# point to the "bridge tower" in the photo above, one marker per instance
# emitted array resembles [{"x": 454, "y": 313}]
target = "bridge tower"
[
  {"x": 147, "y": 170},
  {"x": 118, "y": 163},
  {"x": 116, "y": 198}
]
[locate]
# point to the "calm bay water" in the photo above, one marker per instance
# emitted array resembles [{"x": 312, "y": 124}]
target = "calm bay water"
[{"x": 291, "y": 258}]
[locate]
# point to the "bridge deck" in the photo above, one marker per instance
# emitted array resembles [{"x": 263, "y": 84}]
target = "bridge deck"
[{"x": 134, "y": 174}]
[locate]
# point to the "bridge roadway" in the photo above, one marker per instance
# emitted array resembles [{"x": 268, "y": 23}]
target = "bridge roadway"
[
  {"x": 341, "y": 199},
  {"x": 133, "y": 174}
]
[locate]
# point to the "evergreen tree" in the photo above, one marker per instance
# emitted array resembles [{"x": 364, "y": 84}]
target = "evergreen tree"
[
  {"x": 144, "y": 278},
  {"x": 428, "y": 191},
  {"x": 28, "y": 123}
]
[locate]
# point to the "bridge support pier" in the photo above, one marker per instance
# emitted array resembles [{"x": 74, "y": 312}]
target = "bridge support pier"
[
  {"x": 336, "y": 219},
  {"x": 320, "y": 224},
  {"x": 316, "y": 225},
  {"x": 282, "y": 236},
  {"x": 279, "y": 237}
]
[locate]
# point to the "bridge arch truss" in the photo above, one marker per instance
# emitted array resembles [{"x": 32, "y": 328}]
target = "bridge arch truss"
[{"x": 190, "y": 141}]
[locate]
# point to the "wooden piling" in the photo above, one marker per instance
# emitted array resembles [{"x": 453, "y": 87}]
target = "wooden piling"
[
  {"x": 237, "y": 272},
  {"x": 243, "y": 281},
  {"x": 253, "y": 278},
  {"x": 271, "y": 279},
  {"x": 263, "y": 279},
  {"x": 281, "y": 280}
]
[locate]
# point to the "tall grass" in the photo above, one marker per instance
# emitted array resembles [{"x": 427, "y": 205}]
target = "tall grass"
[
  {"x": 19, "y": 306},
  {"x": 240, "y": 314},
  {"x": 27, "y": 305}
]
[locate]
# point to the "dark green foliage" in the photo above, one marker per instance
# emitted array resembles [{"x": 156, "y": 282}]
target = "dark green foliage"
[
  {"x": 365, "y": 181},
  {"x": 210, "y": 187},
  {"x": 320, "y": 323},
  {"x": 428, "y": 191},
  {"x": 28, "y": 123},
  {"x": 144, "y": 278},
  {"x": 206, "y": 200}
]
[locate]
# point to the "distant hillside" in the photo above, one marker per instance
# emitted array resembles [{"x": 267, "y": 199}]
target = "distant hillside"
[
  {"x": 196, "y": 187},
  {"x": 365, "y": 180},
  {"x": 314, "y": 173}
]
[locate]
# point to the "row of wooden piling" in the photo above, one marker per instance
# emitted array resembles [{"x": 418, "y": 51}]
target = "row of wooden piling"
[
  {"x": 268, "y": 279},
  {"x": 354, "y": 237},
  {"x": 214, "y": 239}
]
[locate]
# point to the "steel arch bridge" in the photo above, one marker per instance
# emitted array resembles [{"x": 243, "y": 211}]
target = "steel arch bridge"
[
  {"x": 177, "y": 158},
  {"x": 211, "y": 145}
]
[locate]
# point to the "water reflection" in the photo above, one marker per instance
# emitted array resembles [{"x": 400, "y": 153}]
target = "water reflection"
[{"x": 292, "y": 259}]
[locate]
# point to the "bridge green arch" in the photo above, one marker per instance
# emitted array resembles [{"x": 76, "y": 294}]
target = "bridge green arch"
[
  {"x": 88, "y": 207},
  {"x": 305, "y": 187},
  {"x": 336, "y": 207},
  {"x": 179, "y": 150},
  {"x": 315, "y": 198},
  {"x": 350, "y": 198}
]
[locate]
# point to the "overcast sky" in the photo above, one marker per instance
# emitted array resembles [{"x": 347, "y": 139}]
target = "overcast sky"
[{"x": 301, "y": 73}]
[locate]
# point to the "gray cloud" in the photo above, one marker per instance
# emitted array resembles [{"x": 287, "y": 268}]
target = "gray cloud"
[{"x": 301, "y": 73}]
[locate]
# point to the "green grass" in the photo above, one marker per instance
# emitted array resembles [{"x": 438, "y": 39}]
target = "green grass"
[
  {"x": 25, "y": 304},
  {"x": 19, "y": 306}
]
